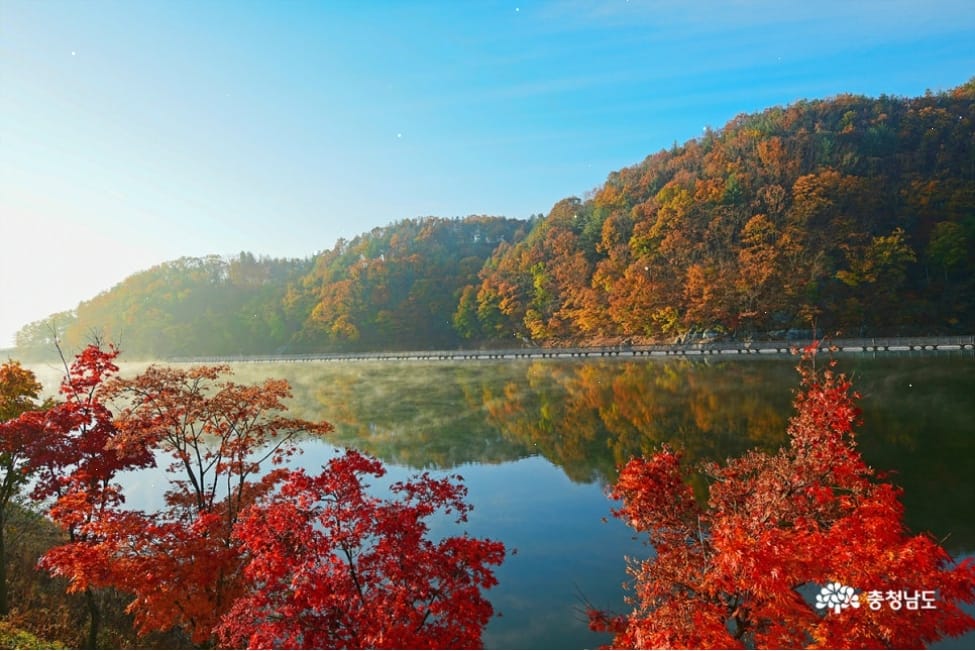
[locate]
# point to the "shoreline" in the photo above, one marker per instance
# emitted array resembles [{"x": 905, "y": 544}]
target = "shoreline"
[{"x": 717, "y": 348}]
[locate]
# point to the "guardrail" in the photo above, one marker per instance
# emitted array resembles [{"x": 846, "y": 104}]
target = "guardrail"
[{"x": 780, "y": 347}]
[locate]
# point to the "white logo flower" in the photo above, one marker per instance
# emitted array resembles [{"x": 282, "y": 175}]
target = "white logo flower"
[{"x": 836, "y": 597}]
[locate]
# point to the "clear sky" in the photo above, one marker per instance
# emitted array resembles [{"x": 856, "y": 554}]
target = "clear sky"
[{"x": 136, "y": 131}]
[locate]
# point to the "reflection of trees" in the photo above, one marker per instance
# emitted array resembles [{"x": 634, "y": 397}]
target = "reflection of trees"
[
  {"x": 589, "y": 418},
  {"x": 919, "y": 423},
  {"x": 411, "y": 414}
]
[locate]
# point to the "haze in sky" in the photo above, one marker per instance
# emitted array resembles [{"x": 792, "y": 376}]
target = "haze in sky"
[{"x": 134, "y": 132}]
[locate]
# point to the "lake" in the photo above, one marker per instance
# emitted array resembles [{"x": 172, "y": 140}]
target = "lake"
[{"x": 538, "y": 441}]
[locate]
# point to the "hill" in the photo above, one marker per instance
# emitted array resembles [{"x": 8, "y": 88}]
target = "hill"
[
  {"x": 396, "y": 288},
  {"x": 393, "y": 287},
  {"x": 851, "y": 214},
  {"x": 188, "y": 306},
  {"x": 855, "y": 214}
]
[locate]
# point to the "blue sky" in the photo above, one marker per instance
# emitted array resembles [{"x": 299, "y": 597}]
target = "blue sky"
[{"x": 133, "y": 132}]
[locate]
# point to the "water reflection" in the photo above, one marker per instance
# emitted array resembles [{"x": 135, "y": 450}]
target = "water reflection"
[
  {"x": 588, "y": 417},
  {"x": 538, "y": 441}
]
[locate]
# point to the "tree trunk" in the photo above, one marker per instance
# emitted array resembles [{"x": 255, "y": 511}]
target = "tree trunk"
[{"x": 95, "y": 621}]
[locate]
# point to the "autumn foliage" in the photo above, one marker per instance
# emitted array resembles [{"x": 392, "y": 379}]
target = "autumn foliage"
[
  {"x": 853, "y": 210},
  {"x": 180, "y": 561},
  {"x": 72, "y": 459},
  {"x": 242, "y": 546},
  {"x": 335, "y": 567},
  {"x": 19, "y": 402},
  {"x": 741, "y": 569}
]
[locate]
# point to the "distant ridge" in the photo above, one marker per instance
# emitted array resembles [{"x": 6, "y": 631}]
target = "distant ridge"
[{"x": 850, "y": 214}]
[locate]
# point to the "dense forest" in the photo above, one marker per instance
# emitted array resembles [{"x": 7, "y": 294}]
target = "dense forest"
[
  {"x": 851, "y": 214},
  {"x": 393, "y": 287}
]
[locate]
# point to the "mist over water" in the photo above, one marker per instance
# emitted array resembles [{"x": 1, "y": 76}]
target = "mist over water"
[{"x": 538, "y": 442}]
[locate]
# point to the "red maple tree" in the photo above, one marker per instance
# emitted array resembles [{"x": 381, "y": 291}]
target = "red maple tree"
[
  {"x": 75, "y": 460},
  {"x": 740, "y": 570},
  {"x": 334, "y": 567},
  {"x": 180, "y": 562},
  {"x": 81, "y": 451},
  {"x": 318, "y": 563}
]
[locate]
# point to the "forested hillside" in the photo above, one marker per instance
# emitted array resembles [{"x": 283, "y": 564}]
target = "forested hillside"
[
  {"x": 853, "y": 214},
  {"x": 396, "y": 287},
  {"x": 190, "y": 306},
  {"x": 393, "y": 287}
]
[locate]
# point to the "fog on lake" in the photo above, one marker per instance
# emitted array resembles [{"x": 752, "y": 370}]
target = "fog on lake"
[{"x": 538, "y": 442}]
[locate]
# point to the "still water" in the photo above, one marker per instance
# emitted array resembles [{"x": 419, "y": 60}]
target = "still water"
[{"x": 537, "y": 443}]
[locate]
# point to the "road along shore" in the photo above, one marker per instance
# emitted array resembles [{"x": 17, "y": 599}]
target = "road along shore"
[{"x": 723, "y": 348}]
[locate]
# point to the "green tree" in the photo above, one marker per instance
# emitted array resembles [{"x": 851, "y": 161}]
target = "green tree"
[{"x": 947, "y": 247}]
